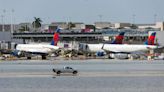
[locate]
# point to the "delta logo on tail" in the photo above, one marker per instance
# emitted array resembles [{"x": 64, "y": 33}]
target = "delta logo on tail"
[
  {"x": 55, "y": 37},
  {"x": 119, "y": 38},
  {"x": 151, "y": 39}
]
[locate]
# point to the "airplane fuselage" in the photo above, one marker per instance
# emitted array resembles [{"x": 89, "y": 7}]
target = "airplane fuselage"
[
  {"x": 127, "y": 48},
  {"x": 36, "y": 48}
]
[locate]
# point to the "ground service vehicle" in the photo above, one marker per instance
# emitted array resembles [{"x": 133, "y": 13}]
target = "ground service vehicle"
[{"x": 65, "y": 69}]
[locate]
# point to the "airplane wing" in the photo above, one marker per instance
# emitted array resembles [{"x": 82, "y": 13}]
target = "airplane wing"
[{"x": 109, "y": 51}]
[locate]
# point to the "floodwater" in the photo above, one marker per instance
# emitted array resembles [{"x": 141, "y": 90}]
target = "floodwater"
[{"x": 94, "y": 76}]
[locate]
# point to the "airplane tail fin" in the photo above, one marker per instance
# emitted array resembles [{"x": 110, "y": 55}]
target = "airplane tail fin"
[
  {"x": 119, "y": 38},
  {"x": 151, "y": 39},
  {"x": 55, "y": 37}
]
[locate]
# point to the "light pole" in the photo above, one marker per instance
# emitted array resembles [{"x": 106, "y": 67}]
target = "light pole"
[
  {"x": 155, "y": 17},
  {"x": 133, "y": 18},
  {"x": 12, "y": 11},
  {"x": 100, "y": 16},
  {"x": 2, "y": 22},
  {"x": 4, "y": 11}
]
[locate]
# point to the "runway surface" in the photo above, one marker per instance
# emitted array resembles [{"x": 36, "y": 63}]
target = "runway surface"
[{"x": 94, "y": 76}]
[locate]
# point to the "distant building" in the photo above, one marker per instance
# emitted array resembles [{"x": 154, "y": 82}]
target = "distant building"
[
  {"x": 45, "y": 27},
  {"x": 143, "y": 26},
  {"x": 28, "y": 26},
  {"x": 102, "y": 25},
  {"x": 122, "y": 25},
  {"x": 52, "y": 28},
  {"x": 78, "y": 25},
  {"x": 62, "y": 25},
  {"x": 157, "y": 26},
  {"x": 5, "y": 27},
  {"x": 160, "y": 25},
  {"x": 88, "y": 28}
]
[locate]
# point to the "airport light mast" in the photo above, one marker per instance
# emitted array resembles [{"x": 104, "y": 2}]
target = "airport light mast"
[
  {"x": 133, "y": 18},
  {"x": 12, "y": 11},
  {"x": 155, "y": 18},
  {"x": 2, "y": 16}
]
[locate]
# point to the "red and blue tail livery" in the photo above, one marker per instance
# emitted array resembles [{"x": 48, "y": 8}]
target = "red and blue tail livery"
[
  {"x": 55, "y": 37},
  {"x": 119, "y": 38},
  {"x": 151, "y": 39}
]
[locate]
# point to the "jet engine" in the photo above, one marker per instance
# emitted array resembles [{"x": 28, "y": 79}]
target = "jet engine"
[
  {"x": 17, "y": 53},
  {"x": 100, "y": 53}
]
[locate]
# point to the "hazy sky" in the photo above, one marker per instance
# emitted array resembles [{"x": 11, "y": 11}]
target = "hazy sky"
[{"x": 87, "y": 11}]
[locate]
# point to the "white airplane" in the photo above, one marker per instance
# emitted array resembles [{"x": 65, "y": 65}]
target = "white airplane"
[
  {"x": 122, "y": 50},
  {"x": 97, "y": 48},
  {"x": 28, "y": 50}
]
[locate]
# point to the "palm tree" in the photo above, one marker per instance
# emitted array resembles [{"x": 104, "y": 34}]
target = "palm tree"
[{"x": 36, "y": 23}]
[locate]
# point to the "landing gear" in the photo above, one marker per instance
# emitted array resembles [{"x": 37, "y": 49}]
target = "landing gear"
[
  {"x": 43, "y": 57},
  {"x": 109, "y": 57},
  {"x": 28, "y": 57}
]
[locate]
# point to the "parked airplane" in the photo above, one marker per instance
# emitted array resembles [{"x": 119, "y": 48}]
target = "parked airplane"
[
  {"x": 28, "y": 50},
  {"x": 122, "y": 50},
  {"x": 98, "y": 49}
]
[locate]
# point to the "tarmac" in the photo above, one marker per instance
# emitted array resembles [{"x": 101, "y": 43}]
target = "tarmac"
[{"x": 94, "y": 75}]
